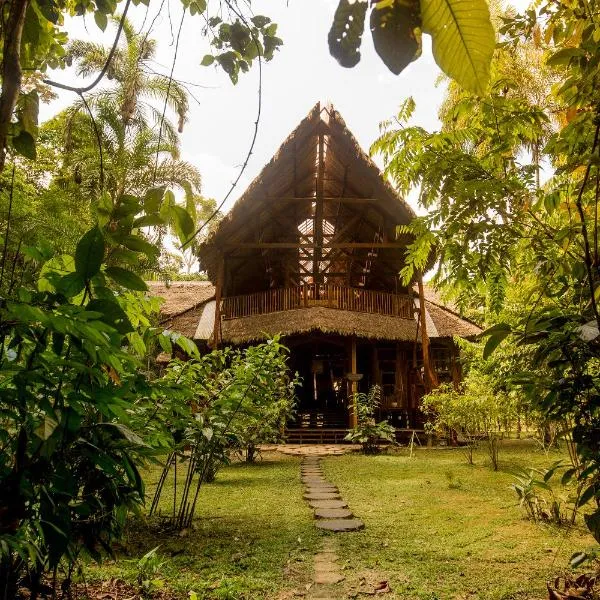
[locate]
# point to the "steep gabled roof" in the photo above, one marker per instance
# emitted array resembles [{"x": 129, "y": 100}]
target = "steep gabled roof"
[{"x": 319, "y": 159}]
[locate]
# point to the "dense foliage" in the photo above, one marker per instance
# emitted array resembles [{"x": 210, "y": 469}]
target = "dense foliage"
[{"x": 511, "y": 184}]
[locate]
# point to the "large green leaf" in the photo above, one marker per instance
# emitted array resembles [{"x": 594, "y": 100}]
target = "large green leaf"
[
  {"x": 463, "y": 39},
  {"x": 345, "y": 35},
  {"x": 396, "y": 34},
  {"x": 128, "y": 279},
  {"x": 89, "y": 253}
]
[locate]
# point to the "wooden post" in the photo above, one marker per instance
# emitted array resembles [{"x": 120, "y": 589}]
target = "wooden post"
[
  {"x": 318, "y": 218},
  {"x": 455, "y": 366},
  {"x": 218, "y": 298},
  {"x": 354, "y": 384},
  {"x": 399, "y": 377},
  {"x": 431, "y": 380}
]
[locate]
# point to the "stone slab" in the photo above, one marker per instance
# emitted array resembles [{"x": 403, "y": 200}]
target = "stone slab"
[
  {"x": 321, "y": 496},
  {"x": 321, "y": 489},
  {"x": 328, "y": 577},
  {"x": 333, "y": 513},
  {"x": 326, "y": 557},
  {"x": 328, "y": 504},
  {"x": 339, "y": 525}
]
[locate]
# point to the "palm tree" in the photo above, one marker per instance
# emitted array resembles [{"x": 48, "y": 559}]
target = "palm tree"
[{"x": 140, "y": 144}]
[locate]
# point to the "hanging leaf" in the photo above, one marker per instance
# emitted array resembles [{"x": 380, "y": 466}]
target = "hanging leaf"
[
  {"x": 167, "y": 204},
  {"x": 24, "y": 144},
  {"x": 496, "y": 334},
  {"x": 54, "y": 270},
  {"x": 396, "y": 32},
  {"x": 89, "y": 253},
  {"x": 46, "y": 428},
  {"x": 138, "y": 244},
  {"x": 112, "y": 314},
  {"x": 463, "y": 39},
  {"x": 101, "y": 20},
  {"x": 152, "y": 199},
  {"x": 184, "y": 224},
  {"x": 345, "y": 35},
  {"x": 70, "y": 285},
  {"x": 127, "y": 279}
]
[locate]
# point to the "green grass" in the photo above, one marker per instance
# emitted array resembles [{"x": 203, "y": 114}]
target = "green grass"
[
  {"x": 253, "y": 534},
  {"x": 436, "y": 528}
]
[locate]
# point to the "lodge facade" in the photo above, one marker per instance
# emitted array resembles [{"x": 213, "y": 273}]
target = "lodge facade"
[{"x": 311, "y": 251}]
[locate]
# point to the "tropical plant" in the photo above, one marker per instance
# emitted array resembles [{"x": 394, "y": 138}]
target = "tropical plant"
[
  {"x": 471, "y": 413},
  {"x": 536, "y": 496},
  {"x": 367, "y": 431},
  {"x": 71, "y": 377}
]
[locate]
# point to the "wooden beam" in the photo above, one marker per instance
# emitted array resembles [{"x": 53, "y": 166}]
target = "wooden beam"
[
  {"x": 431, "y": 380},
  {"x": 353, "y": 384},
  {"x": 318, "y": 219},
  {"x": 325, "y": 244},
  {"x": 218, "y": 296}
]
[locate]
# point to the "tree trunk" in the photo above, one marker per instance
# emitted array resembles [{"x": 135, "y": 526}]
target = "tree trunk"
[{"x": 11, "y": 69}]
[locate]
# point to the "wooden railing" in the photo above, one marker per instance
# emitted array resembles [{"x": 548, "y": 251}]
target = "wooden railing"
[{"x": 309, "y": 295}]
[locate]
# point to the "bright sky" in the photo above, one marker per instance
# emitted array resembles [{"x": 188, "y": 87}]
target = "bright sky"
[{"x": 220, "y": 125}]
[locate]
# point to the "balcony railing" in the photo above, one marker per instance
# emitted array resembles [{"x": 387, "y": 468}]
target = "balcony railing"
[{"x": 309, "y": 295}]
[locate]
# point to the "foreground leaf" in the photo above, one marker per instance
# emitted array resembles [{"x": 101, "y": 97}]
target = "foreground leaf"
[
  {"x": 345, "y": 35},
  {"x": 128, "y": 279},
  {"x": 89, "y": 253},
  {"x": 463, "y": 39},
  {"x": 396, "y": 34}
]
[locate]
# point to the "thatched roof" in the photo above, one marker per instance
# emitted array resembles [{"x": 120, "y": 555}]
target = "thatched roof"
[
  {"x": 318, "y": 318},
  {"x": 180, "y": 296},
  {"x": 197, "y": 320},
  {"x": 319, "y": 159},
  {"x": 448, "y": 324}
]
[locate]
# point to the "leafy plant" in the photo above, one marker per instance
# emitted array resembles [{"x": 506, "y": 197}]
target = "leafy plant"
[
  {"x": 148, "y": 573},
  {"x": 461, "y": 31},
  {"x": 536, "y": 496},
  {"x": 368, "y": 432}
]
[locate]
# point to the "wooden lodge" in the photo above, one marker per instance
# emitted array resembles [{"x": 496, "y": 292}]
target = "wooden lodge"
[{"x": 311, "y": 251}]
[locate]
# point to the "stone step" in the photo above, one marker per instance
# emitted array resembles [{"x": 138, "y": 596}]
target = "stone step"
[
  {"x": 328, "y": 504},
  {"x": 333, "y": 513},
  {"x": 321, "y": 496},
  {"x": 340, "y": 525}
]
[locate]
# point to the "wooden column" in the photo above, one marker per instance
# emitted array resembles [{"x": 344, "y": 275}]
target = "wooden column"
[
  {"x": 354, "y": 384},
  {"x": 217, "y": 338},
  {"x": 318, "y": 219},
  {"x": 431, "y": 380},
  {"x": 399, "y": 376},
  {"x": 455, "y": 366}
]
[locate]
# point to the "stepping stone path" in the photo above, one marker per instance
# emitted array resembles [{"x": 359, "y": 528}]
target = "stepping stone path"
[{"x": 331, "y": 512}]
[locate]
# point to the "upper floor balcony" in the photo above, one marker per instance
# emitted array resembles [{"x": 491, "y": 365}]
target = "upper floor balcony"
[{"x": 325, "y": 295}]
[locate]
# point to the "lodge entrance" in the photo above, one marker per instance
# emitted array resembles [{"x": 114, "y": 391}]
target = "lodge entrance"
[{"x": 322, "y": 393}]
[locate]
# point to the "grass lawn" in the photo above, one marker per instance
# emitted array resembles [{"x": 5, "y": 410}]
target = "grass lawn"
[{"x": 436, "y": 528}]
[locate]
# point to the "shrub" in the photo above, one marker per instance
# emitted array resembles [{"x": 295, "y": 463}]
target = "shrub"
[{"x": 368, "y": 432}]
